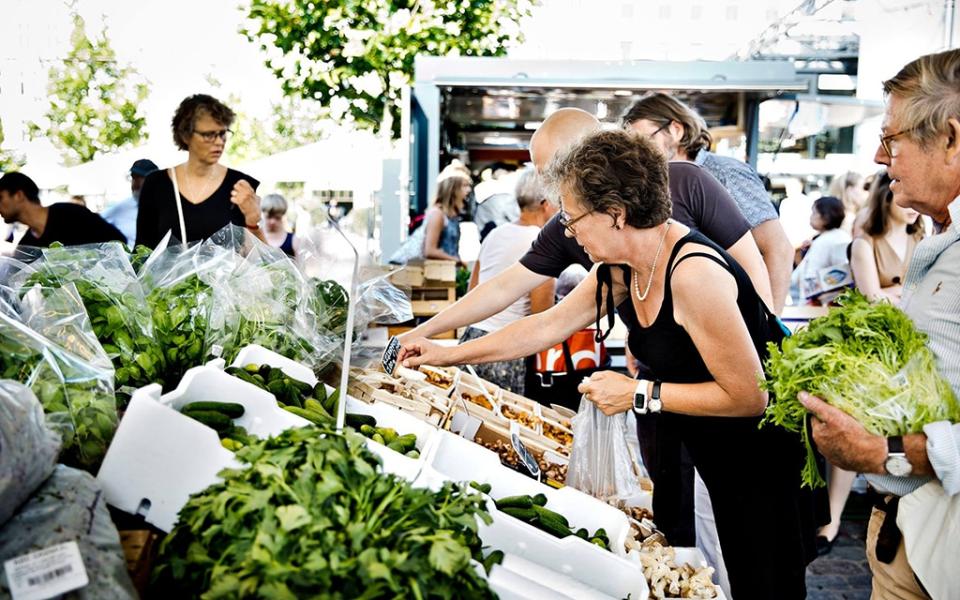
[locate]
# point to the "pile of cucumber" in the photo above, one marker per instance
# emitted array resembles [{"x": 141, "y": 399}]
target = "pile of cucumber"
[
  {"x": 310, "y": 402},
  {"x": 532, "y": 510},
  {"x": 315, "y": 405},
  {"x": 219, "y": 416}
]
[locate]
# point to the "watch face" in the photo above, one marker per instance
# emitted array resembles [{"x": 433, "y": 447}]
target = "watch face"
[
  {"x": 655, "y": 405},
  {"x": 640, "y": 404},
  {"x": 898, "y": 465}
]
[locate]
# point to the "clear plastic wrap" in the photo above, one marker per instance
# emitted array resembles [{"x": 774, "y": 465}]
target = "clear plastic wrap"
[
  {"x": 180, "y": 283},
  {"x": 70, "y": 507},
  {"x": 115, "y": 304},
  {"x": 53, "y": 350},
  {"x": 28, "y": 448},
  {"x": 600, "y": 462}
]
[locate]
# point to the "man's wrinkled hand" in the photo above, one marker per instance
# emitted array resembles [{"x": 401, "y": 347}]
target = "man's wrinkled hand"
[{"x": 842, "y": 440}]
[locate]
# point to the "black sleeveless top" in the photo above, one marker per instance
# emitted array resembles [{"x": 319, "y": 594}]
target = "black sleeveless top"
[{"x": 765, "y": 522}]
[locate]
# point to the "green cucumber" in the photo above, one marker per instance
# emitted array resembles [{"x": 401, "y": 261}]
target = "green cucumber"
[
  {"x": 231, "y": 409},
  {"x": 213, "y": 419},
  {"x": 527, "y": 515},
  {"x": 358, "y": 421},
  {"x": 514, "y": 502},
  {"x": 549, "y": 514},
  {"x": 552, "y": 525},
  {"x": 540, "y": 500},
  {"x": 308, "y": 415}
]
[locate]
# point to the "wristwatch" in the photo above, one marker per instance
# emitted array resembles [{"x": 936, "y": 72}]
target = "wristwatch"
[
  {"x": 897, "y": 463},
  {"x": 642, "y": 404}
]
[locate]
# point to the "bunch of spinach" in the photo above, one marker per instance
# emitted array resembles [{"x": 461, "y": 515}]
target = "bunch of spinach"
[
  {"x": 314, "y": 516},
  {"x": 180, "y": 315},
  {"x": 77, "y": 400},
  {"x": 119, "y": 320},
  {"x": 868, "y": 360}
]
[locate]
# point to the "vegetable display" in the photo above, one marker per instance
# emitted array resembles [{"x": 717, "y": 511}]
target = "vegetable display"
[
  {"x": 866, "y": 359},
  {"x": 180, "y": 316},
  {"x": 533, "y": 511},
  {"x": 219, "y": 416},
  {"x": 314, "y": 515}
]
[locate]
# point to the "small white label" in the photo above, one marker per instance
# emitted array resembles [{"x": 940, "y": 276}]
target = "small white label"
[
  {"x": 46, "y": 573},
  {"x": 216, "y": 350}
]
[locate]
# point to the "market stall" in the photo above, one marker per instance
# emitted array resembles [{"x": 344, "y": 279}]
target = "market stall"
[{"x": 202, "y": 385}]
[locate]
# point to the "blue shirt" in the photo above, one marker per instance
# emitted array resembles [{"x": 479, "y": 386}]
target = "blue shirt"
[
  {"x": 931, "y": 297},
  {"x": 123, "y": 216},
  {"x": 743, "y": 183}
]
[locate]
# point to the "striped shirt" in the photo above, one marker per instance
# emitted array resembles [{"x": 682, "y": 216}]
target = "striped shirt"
[
  {"x": 931, "y": 297},
  {"x": 743, "y": 183}
]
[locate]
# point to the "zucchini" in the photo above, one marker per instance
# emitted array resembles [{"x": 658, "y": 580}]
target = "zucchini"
[
  {"x": 331, "y": 401},
  {"x": 527, "y": 515},
  {"x": 316, "y": 407},
  {"x": 540, "y": 500},
  {"x": 308, "y": 415},
  {"x": 549, "y": 514},
  {"x": 210, "y": 418},
  {"x": 320, "y": 391},
  {"x": 358, "y": 421},
  {"x": 552, "y": 525},
  {"x": 514, "y": 502},
  {"x": 231, "y": 409}
]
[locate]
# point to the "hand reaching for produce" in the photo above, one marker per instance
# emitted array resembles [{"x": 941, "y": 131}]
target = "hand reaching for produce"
[
  {"x": 842, "y": 440},
  {"x": 610, "y": 391},
  {"x": 421, "y": 352}
]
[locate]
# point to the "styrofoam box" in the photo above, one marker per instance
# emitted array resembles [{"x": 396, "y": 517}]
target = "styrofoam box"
[
  {"x": 610, "y": 572},
  {"x": 159, "y": 457},
  {"x": 559, "y": 586}
]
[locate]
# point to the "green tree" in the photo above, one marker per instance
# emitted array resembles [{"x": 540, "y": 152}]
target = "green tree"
[
  {"x": 94, "y": 100},
  {"x": 355, "y": 56},
  {"x": 9, "y": 160},
  {"x": 292, "y": 122}
]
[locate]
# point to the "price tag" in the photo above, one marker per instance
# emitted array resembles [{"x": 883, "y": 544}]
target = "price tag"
[
  {"x": 46, "y": 573},
  {"x": 389, "y": 358},
  {"x": 526, "y": 459}
]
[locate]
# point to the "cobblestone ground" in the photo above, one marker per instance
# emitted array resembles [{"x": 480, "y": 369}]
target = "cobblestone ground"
[{"x": 843, "y": 574}]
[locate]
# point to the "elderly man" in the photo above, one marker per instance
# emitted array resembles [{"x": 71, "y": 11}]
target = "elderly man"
[
  {"x": 682, "y": 135},
  {"x": 920, "y": 145},
  {"x": 123, "y": 214}
]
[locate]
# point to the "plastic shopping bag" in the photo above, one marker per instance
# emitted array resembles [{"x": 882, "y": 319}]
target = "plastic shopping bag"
[
  {"x": 28, "y": 448},
  {"x": 600, "y": 462}
]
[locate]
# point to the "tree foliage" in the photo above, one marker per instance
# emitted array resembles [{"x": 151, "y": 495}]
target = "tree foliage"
[
  {"x": 94, "y": 100},
  {"x": 293, "y": 122},
  {"x": 9, "y": 160},
  {"x": 355, "y": 56}
]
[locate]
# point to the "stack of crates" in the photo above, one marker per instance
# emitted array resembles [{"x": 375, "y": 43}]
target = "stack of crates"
[{"x": 433, "y": 287}]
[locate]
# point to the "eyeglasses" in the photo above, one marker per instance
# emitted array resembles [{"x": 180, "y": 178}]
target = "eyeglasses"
[
  {"x": 211, "y": 136},
  {"x": 886, "y": 139},
  {"x": 564, "y": 219},
  {"x": 659, "y": 129}
]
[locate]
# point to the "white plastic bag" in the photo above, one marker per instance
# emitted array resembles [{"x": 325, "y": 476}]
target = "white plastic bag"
[
  {"x": 600, "y": 462},
  {"x": 28, "y": 448}
]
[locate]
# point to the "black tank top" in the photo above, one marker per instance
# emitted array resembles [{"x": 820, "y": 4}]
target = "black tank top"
[{"x": 764, "y": 520}]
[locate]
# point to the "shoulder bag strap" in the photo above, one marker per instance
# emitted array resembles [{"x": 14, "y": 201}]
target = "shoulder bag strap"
[{"x": 176, "y": 200}]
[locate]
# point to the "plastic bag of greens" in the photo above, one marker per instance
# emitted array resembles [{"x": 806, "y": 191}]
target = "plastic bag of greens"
[
  {"x": 179, "y": 284},
  {"x": 115, "y": 303},
  {"x": 70, "y": 507},
  {"x": 600, "y": 462},
  {"x": 28, "y": 448},
  {"x": 52, "y": 349}
]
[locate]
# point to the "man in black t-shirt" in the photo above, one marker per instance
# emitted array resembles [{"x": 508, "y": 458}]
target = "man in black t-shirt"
[{"x": 67, "y": 223}]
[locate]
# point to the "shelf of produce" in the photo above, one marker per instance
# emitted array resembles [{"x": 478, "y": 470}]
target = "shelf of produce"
[{"x": 459, "y": 459}]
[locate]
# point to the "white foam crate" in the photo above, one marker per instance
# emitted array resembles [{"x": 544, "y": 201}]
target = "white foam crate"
[
  {"x": 159, "y": 457},
  {"x": 611, "y": 573},
  {"x": 559, "y": 586}
]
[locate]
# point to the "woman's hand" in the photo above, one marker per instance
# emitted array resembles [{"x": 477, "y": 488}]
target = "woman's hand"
[
  {"x": 247, "y": 201},
  {"x": 610, "y": 391},
  {"x": 421, "y": 352}
]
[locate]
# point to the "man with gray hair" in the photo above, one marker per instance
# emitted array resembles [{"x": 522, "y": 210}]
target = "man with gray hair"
[
  {"x": 913, "y": 538},
  {"x": 503, "y": 247}
]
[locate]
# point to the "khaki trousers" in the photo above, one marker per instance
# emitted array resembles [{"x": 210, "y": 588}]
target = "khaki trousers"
[{"x": 894, "y": 581}]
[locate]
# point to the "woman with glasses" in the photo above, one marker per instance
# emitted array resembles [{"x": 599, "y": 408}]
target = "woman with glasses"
[
  {"x": 700, "y": 327},
  {"x": 197, "y": 198}
]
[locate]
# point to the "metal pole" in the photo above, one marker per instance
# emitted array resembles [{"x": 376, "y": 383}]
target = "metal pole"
[{"x": 348, "y": 334}]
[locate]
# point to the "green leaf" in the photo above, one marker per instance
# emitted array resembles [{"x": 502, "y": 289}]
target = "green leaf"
[{"x": 292, "y": 516}]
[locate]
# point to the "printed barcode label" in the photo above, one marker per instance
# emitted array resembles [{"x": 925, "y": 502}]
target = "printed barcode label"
[{"x": 46, "y": 573}]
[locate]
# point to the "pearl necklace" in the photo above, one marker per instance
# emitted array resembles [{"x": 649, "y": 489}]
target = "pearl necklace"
[{"x": 653, "y": 267}]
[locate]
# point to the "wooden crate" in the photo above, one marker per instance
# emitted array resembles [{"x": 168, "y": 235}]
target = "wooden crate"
[
  {"x": 427, "y": 302},
  {"x": 139, "y": 550},
  {"x": 408, "y": 276},
  {"x": 440, "y": 270}
]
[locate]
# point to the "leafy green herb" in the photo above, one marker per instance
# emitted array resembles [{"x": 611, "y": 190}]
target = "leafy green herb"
[
  {"x": 866, "y": 359},
  {"x": 313, "y": 515},
  {"x": 180, "y": 316}
]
